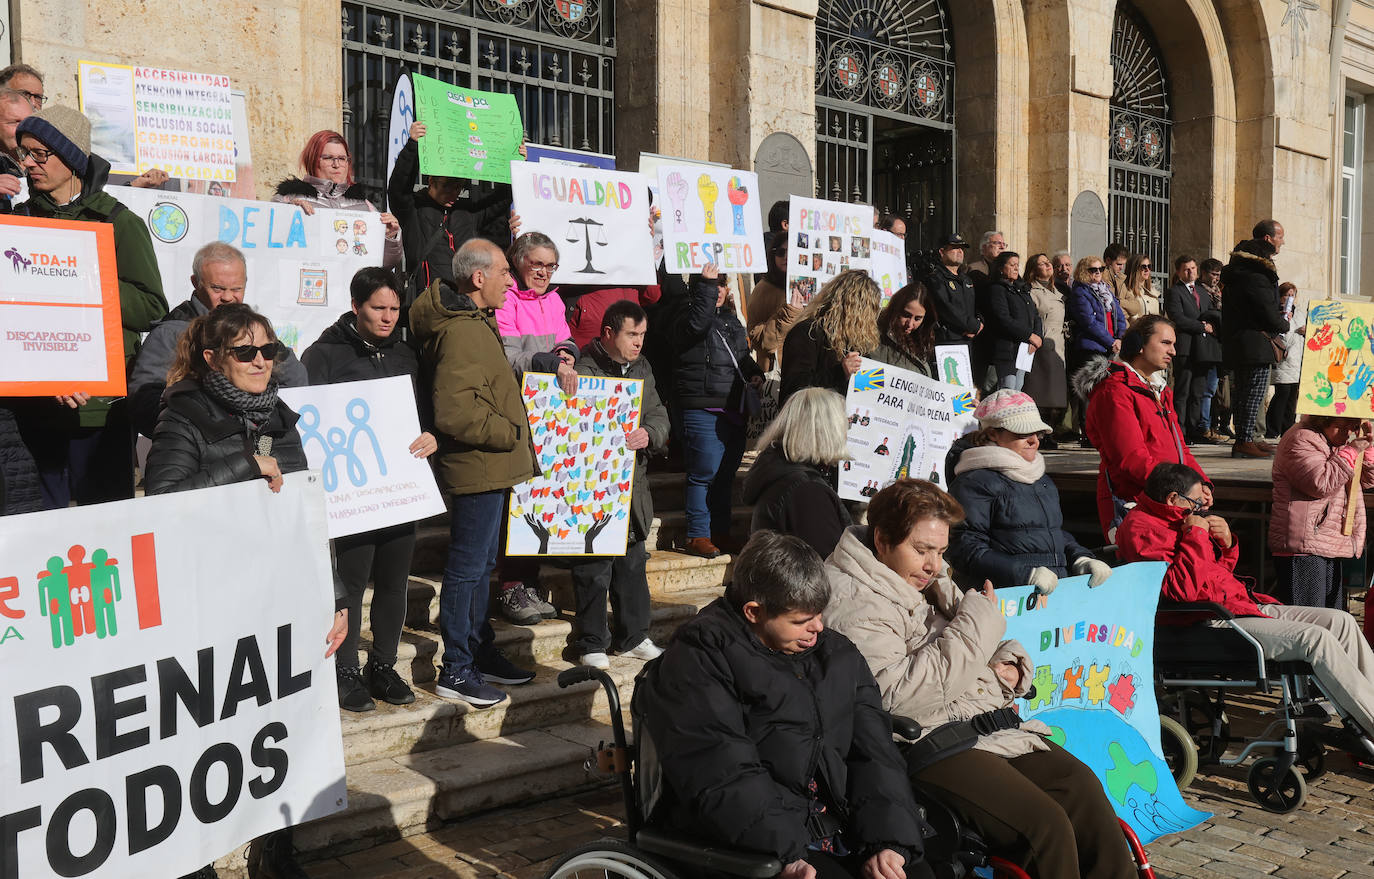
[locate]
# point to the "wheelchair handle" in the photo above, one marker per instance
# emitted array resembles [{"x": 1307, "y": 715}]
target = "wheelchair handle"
[{"x": 579, "y": 675}]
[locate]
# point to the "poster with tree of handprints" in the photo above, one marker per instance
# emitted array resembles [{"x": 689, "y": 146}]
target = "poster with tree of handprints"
[
  {"x": 1337, "y": 360},
  {"x": 579, "y": 505}
]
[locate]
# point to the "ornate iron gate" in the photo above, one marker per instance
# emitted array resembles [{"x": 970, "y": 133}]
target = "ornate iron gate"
[
  {"x": 1139, "y": 157},
  {"x": 556, "y": 56},
  {"x": 885, "y": 110}
]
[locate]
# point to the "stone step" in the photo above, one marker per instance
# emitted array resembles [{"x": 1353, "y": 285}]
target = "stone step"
[{"x": 670, "y": 527}]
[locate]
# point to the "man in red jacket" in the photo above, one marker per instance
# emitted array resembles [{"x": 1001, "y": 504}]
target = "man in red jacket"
[{"x": 1169, "y": 524}]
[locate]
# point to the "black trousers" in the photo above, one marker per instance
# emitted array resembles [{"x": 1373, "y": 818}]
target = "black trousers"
[
  {"x": 384, "y": 556},
  {"x": 1283, "y": 409},
  {"x": 1190, "y": 382},
  {"x": 625, "y": 580}
]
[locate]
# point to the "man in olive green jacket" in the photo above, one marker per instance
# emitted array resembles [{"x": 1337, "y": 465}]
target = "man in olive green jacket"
[{"x": 484, "y": 449}]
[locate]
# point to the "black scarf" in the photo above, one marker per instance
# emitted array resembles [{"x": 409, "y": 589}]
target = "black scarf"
[{"x": 256, "y": 408}]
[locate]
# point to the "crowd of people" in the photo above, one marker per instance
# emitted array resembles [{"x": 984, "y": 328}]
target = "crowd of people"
[{"x": 463, "y": 304}]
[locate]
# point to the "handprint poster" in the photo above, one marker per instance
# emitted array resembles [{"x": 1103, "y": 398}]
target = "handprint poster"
[
  {"x": 1337, "y": 360},
  {"x": 580, "y": 504},
  {"x": 710, "y": 215},
  {"x": 826, "y": 238}
]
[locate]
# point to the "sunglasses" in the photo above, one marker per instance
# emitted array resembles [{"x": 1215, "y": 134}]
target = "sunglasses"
[
  {"x": 272, "y": 351},
  {"x": 1096, "y": 270}
]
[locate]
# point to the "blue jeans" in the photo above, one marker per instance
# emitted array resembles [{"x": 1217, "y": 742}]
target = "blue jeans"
[
  {"x": 1213, "y": 380},
  {"x": 1014, "y": 380},
  {"x": 474, "y": 538},
  {"x": 713, "y": 448}
]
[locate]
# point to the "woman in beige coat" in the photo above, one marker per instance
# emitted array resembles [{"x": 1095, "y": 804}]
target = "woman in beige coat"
[{"x": 939, "y": 656}]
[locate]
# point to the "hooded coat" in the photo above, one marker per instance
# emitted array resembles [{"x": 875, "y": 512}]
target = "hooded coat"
[
  {"x": 534, "y": 328},
  {"x": 708, "y": 342},
  {"x": 797, "y": 499},
  {"x": 1250, "y": 312},
  {"x": 479, "y": 419},
  {"x": 339, "y": 197},
  {"x": 1311, "y": 479},
  {"x": 932, "y": 651},
  {"x": 342, "y": 355},
  {"x": 743, "y": 730}
]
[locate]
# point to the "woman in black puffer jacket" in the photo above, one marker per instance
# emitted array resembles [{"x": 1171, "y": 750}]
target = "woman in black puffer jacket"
[
  {"x": 1012, "y": 319},
  {"x": 713, "y": 364},
  {"x": 363, "y": 344}
]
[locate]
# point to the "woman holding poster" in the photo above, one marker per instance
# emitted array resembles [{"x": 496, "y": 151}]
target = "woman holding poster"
[
  {"x": 838, "y": 328},
  {"x": 1012, "y": 320},
  {"x": 907, "y": 329},
  {"x": 363, "y": 344}
]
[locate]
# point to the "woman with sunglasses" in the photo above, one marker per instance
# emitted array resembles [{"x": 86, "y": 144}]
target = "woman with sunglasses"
[
  {"x": 1139, "y": 297},
  {"x": 328, "y": 183},
  {"x": 1099, "y": 323}
]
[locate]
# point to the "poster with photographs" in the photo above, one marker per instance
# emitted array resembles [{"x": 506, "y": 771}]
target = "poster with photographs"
[{"x": 825, "y": 238}]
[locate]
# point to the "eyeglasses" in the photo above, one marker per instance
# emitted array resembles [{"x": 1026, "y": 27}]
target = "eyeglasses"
[
  {"x": 248, "y": 353},
  {"x": 543, "y": 268},
  {"x": 1197, "y": 505},
  {"x": 33, "y": 98},
  {"x": 39, "y": 157},
  {"x": 335, "y": 160},
  {"x": 1096, "y": 270}
]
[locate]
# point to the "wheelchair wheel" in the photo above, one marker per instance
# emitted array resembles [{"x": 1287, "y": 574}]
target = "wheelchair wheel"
[
  {"x": 609, "y": 859},
  {"x": 1180, "y": 752},
  {"x": 1200, "y": 717},
  {"x": 1274, "y": 794},
  {"x": 1311, "y": 758}
]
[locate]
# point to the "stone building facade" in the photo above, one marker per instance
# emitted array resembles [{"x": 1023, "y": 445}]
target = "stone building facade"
[{"x": 1170, "y": 124}]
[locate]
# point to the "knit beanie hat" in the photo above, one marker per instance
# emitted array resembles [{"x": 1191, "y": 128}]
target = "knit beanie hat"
[
  {"x": 1010, "y": 410},
  {"x": 65, "y": 131}
]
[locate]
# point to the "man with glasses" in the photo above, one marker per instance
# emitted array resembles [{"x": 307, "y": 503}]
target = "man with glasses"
[
  {"x": 14, "y": 108},
  {"x": 219, "y": 276},
  {"x": 27, "y": 81}
]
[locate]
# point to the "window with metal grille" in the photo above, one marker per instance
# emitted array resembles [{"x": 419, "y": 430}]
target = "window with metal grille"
[{"x": 556, "y": 56}]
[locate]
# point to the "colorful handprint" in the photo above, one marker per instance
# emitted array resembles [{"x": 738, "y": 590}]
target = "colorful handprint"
[
  {"x": 707, "y": 191},
  {"x": 1354, "y": 334},
  {"x": 1325, "y": 392},
  {"x": 1359, "y": 382},
  {"x": 677, "y": 195},
  {"x": 738, "y": 194},
  {"x": 1321, "y": 338}
]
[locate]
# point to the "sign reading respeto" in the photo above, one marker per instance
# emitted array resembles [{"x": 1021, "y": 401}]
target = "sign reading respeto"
[{"x": 710, "y": 215}]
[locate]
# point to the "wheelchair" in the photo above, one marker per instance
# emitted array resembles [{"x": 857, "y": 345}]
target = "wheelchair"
[
  {"x": 1197, "y": 665},
  {"x": 953, "y": 850}
]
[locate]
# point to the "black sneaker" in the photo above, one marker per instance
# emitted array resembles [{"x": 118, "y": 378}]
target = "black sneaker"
[
  {"x": 384, "y": 683},
  {"x": 352, "y": 691},
  {"x": 499, "y": 670},
  {"x": 467, "y": 684}
]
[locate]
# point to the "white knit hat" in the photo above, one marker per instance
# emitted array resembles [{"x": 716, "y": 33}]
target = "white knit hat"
[{"x": 1010, "y": 410}]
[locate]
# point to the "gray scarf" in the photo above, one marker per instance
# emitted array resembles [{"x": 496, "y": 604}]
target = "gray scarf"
[{"x": 256, "y": 408}]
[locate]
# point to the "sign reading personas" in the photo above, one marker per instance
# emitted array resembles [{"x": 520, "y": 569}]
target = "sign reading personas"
[
  {"x": 580, "y": 505},
  {"x": 60, "y": 328},
  {"x": 1092, "y": 649},
  {"x": 602, "y": 215},
  {"x": 299, "y": 266},
  {"x": 887, "y": 255},
  {"x": 901, "y": 424},
  {"x": 168, "y": 698},
  {"x": 358, "y": 435},
  {"x": 710, "y": 215},
  {"x": 1337, "y": 364},
  {"x": 469, "y": 134},
  {"x": 150, "y": 117},
  {"x": 825, "y": 238}
]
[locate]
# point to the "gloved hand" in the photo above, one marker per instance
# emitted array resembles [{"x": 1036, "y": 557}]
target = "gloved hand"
[
  {"x": 738, "y": 195},
  {"x": 1044, "y": 580},
  {"x": 708, "y": 191},
  {"x": 677, "y": 194},
  {"x": 1097, "y": 570}
]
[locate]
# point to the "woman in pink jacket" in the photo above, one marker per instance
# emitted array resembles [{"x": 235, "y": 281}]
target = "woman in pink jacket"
[{"x": 1312, "y": 470}]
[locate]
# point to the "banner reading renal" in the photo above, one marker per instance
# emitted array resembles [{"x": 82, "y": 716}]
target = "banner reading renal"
[
  {"x": 1337, "y": 360},
  {"x": 60, "y": 328},
  {"x": 470, "y": 134},
  {"x": 158, "y": 715},
  {"x": 824, "y": 239},
  {"x": 602, "y": 215},
  {"x": 1093, "y": 654},
  {"x": 710, "y": 215},
  {"x": 581, "y": 503}
]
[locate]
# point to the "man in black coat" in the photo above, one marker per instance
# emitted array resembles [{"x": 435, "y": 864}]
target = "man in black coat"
[
  {"x": 1251, "y": 317},
  {"x": 956, "y": 312},
  {"x": 1186, "y": 304}
]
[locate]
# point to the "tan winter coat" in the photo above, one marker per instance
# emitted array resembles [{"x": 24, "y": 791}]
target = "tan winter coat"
[{"x": 931, "y": 651}]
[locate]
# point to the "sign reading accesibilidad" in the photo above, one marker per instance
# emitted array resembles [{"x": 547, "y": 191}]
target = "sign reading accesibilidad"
[{"x": 470, "y": 135}]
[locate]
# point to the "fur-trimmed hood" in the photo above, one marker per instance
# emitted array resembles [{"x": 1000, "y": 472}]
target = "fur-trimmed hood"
[
  {"x": 1246, "y": 258},
  {"x": 315, "y": 187},
  {"x": 1089, "y": 376}
]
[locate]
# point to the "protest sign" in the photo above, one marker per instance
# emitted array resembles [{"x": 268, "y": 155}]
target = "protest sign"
[
  {"x": 245, "y": 181},
  {"x": 60, "y": 328},
  {"x": 1093, "y": 654},
  {"x": 827, "y": 237},
  {"x": 952, "y": 365},
  {"x": 358, "y": 435},
  {"x": 581, "y": 503},
  {"x": 710, "y": 215},
  {"x": 168, "y": 698},
  {"x": 1337, "y": 364},
  {"x": 888, "y": 262},
  {"x": 469, "y": 134},
  {"x": 564, "y": 156},
  {"x": 603, "y": 215},
  {"x": 402, "y": 117},
  {"x": 299, "y": 266},
  {"x": 150, "y": 117},
  {"x": 901, "y": 424}
]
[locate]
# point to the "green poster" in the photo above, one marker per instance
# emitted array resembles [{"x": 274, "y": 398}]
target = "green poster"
[{"x": 471, "y": 135}]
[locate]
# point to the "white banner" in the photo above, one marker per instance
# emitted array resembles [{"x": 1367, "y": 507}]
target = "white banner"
[
  {"x": 901, "y": 424},
  {"x": 952, "y": 365},
  {"x": 166, "y": 697},
  {"x": 710, "y": 215},
  {"x": 888, "y": 262},
  {"x": 299, "y": 266},
  {"x": 827, "y": 237},
  {"x": 602, "y": 215},
  {"x": 402, "y": 117},
  {"x": 358, "y": 435}
]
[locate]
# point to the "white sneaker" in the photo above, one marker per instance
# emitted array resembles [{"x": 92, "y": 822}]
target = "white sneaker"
[
  {"x": 645, "y": 649},
  {"x": 596, "y": 660}
]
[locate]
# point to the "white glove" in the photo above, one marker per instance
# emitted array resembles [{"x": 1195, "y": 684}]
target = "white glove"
[
  {"x": 1044, "y": 580},
  {"x": 1097, "y": 569}
]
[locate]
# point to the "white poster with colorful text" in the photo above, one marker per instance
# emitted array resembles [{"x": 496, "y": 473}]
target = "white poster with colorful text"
[
  {"x": 358, "y": 435},
  {"x": 166, "y": 696},
  {"x": 710, "y": 215},
  {"x": 825, "y": 238},
  {"x": 887, "y": 266},
  {"x": 299, "y": 266},
  {"x": 603, "y": 216}
]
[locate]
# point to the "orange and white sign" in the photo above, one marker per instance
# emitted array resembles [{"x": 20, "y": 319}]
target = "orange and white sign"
[{"x": 59, "y": 309}]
